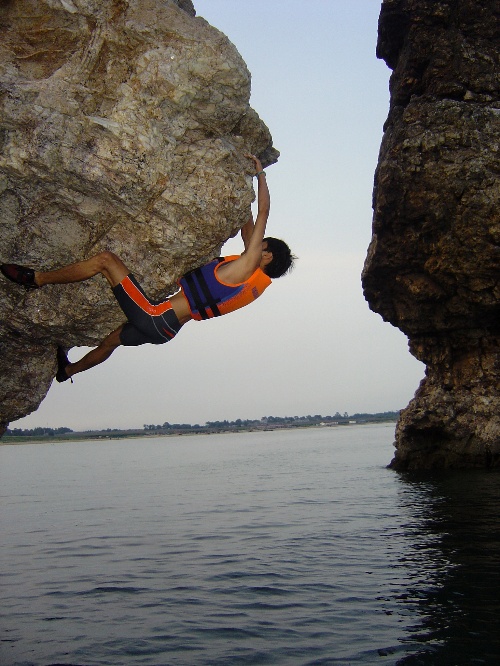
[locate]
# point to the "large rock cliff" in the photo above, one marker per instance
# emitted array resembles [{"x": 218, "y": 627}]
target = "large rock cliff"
[
  {"x": 433, "y": 263},
  {"x": 123, "y": 126}
]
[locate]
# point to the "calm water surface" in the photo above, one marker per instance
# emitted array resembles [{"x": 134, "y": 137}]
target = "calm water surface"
[{"x": 291, "y": 548}]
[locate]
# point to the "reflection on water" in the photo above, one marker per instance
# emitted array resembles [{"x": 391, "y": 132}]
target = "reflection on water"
[{"x": 453, "y": 569}]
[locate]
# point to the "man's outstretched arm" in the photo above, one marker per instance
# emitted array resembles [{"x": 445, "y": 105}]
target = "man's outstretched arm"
[
  {"x": 256, "y": 235},
  {"x": 263, "y": 207},
  {"x": 252, "y": 233}
]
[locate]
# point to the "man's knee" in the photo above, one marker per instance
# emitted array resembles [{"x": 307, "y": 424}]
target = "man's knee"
[
  {"x": 111, "y": 266},
  {"x": 114, "y": 339},
  {"x": 107, "y": 260}
]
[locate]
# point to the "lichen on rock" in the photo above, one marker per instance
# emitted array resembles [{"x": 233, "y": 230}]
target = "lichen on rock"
[
  {"x": 123, "y": 126},
  {"x": 432, "y": 267}
]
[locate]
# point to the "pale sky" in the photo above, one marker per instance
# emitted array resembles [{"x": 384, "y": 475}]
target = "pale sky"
[{"x": 310, "y": 345}]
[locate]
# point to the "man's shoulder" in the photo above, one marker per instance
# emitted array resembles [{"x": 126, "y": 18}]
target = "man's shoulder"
[{"x": 235, "y": 269}]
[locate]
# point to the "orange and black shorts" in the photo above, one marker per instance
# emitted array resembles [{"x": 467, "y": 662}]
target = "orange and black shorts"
[{"x": 147, "y": 322}]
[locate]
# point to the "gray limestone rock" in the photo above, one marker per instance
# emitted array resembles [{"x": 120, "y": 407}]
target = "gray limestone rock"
[{"x": 123, "y": 126}]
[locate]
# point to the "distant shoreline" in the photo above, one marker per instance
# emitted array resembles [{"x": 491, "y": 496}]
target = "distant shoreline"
[{"x": 137, "y": 433}]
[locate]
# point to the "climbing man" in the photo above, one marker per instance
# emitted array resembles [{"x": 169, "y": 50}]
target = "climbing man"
[{"x": 219, "y": 287}]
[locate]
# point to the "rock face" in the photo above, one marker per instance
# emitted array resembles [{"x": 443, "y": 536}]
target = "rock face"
[
  {"x": 433, "y": 263},
  {"x": 123, "y": 126}
]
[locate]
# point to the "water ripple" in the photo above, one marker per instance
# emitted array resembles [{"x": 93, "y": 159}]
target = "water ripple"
[{"x": 289, "y": 548}]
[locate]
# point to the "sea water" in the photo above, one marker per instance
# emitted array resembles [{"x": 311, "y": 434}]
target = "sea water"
[{"x": 291, "y": 547}]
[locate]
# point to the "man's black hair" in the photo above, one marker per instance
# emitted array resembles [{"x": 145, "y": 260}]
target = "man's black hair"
[{"x": 283, "y": 259}]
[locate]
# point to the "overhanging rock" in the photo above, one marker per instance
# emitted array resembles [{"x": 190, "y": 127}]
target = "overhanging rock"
[{"x": 123, "y": 126}]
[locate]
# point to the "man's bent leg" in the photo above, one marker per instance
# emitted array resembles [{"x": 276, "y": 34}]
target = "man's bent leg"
[
  {"x": 106, "y": 263},
  {"x": 97, "y": 355}
]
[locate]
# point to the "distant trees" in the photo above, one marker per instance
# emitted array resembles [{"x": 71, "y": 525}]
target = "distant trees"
[
  {"x": 239, "y": 423},
  {"x": 37, "y": 432},
  {"x": 171, "y": 426},
  {"x": 273, "y": 421},
  {"x": 210, "y": 426}
]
